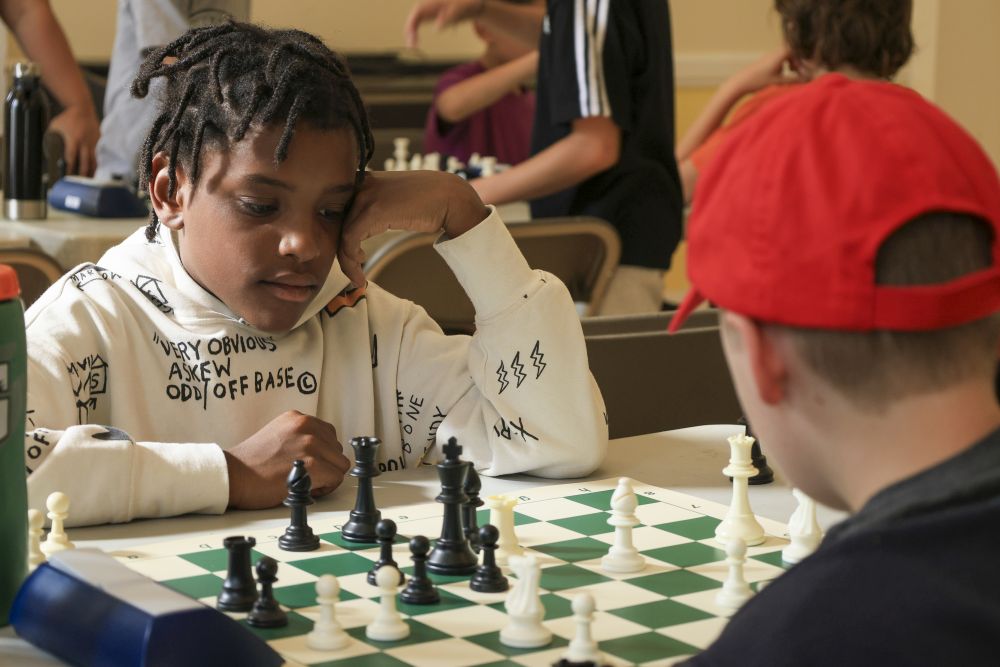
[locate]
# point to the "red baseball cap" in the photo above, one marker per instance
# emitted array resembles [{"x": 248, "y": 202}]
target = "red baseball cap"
[{"x": 789, "y": 216}]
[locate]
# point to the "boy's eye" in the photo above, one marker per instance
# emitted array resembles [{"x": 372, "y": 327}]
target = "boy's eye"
[
  {"x": 331, "y": 215},
  {"x": 257, "y": 208}
]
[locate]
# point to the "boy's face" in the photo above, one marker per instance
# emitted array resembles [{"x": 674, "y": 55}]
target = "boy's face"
[{"x": 261, "y": 236}]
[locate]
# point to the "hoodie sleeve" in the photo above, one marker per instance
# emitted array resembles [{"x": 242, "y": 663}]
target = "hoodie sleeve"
[
  {"x": 108, "y": 476},
  {"x": 518, "y": 394}
]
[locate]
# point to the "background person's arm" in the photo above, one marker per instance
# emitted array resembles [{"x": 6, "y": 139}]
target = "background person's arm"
[
  {"x": 593, "y": 146},
  {"x": 39, "y": 34},
  {"x": 522, "y": 22},
  {"x": 458, "y": 102}
]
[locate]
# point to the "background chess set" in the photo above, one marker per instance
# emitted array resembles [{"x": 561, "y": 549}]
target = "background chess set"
[
  {"x": 651, "y": 617},
  {"x": 478, "y": 167}
]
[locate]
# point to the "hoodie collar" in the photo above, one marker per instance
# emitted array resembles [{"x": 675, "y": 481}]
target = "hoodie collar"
[{"x": 137, "y": 257}]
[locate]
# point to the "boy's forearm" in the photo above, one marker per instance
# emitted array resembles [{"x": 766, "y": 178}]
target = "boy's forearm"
[
  {"x": 591, "y": 148},
  {"x": 458, "y": 102},
  {"x": 522, "y": 22},
  {"x": 710, "y": 118}
]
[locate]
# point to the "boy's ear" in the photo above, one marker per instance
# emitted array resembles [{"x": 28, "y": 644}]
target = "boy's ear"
[
  {"x": 168, "y": 208},
  {"x": 762, "y": 353}
]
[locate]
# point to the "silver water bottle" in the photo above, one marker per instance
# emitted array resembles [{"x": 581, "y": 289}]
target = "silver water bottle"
[{"x": 25, "y": 118}]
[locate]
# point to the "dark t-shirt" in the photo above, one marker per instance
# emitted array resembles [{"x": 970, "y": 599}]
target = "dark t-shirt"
[
  {"x": 614, "y": 58},
  {"x": 912, "y": 579},
  {"x": 502, "y": 129}
]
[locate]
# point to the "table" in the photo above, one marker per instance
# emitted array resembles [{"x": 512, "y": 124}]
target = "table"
[
  {"x": 687, "y": 460},
  {"x": 74, "y": 239},
  {"x": 71, "y": 239}
]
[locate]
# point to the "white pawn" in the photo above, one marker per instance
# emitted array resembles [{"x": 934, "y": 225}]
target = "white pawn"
[
  {"x": 623, "y": 556},
  {"x": 327, "y": 635},
  {"x": 502, "y": 517},
  {"x": 58, "y": 505},
  {"x": 583, "y": 648},
  {"x": 803, "y": 529},
  {"x": 735, "y": 590},
  {"x": 475, "y": 160},
  {"x": 487, "y": 166},
  {"x": 388, "y": 625},
  {"x": 524, "y": 607},
  {"x": 401, "y": 151},
  {"x": 390, "y": 164},
  {"x": 740, "y": 521},
  {"x": 432, "y": 162},
  {"x": 452, "y": 164},
  {"x": 416, "y": 162},
  {"x": 35, "y": 555}
]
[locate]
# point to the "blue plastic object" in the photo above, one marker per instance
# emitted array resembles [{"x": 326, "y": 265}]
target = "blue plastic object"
[
  {"x": 88, "y": 609},
  {"x": 100, "y": 199}
]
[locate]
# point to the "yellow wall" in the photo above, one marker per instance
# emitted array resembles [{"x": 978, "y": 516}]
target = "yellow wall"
[
  {"x": 347, "y": 25},
  {"x": 724, "y": 26},
  {"x": 958, "y": 62}
]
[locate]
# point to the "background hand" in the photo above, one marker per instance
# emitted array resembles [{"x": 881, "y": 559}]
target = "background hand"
[
  {"x": 443, "y": 12},
  {"x": 259, "y": 466},
  {"x": 420, "y": 201},
  {"x": 80, "y": 131},
  {"x": 768, "y": 70}
]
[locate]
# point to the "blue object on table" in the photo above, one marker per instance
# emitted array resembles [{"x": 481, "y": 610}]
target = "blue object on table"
[
  {"x": 100, "y": 199},
  {"x": 88, "y": 609}
]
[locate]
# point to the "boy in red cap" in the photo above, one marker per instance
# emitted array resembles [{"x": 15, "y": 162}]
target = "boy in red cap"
[{"x": 850, "y": 233}]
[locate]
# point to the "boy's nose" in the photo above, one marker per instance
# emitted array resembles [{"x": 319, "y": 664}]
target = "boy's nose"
[{"x": 300, "y": 239}]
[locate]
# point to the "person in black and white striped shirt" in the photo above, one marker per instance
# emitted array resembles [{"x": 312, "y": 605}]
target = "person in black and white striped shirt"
[{"x": 603, "y": 139}]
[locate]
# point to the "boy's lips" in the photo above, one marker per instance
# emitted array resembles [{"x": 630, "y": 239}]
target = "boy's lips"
[{"x": 293, "y": 287}]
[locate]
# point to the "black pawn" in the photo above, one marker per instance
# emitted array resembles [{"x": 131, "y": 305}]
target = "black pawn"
[
  {"x": 420, "y": 589},
  {"x": 472, "y": 486},
  {"x": 266, "y": 612},
  {"x": 451, "y": 554},
  {"x": 489, "y": 577},
  {"x": 298, "y": 536},
  {"x": 385, "y": 531},
  {"x": 364, "y": 516},
  {"x": 764, "y": 473},
  {"x": 239, "y": 591}
]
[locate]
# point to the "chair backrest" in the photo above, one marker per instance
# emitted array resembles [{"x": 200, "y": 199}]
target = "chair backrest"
[
  {"x": 654, "y": 381},
  {"x": 35, "y": 271},
  {"x": 580, "y": 251},
  {"x": 646, "y": 322}
]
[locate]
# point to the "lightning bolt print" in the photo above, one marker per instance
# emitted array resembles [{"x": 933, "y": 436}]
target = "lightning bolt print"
[
  {"x": 502, "y": 378},
  {"x": 536, "y": 360},
  {"x": 517, "y": 367}
]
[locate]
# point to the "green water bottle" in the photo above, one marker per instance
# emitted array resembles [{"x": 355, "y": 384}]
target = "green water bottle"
[{"x": 13, "y": 487}]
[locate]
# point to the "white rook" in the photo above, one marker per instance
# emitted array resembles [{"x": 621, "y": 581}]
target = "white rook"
[{"x": 502, "y": 518}]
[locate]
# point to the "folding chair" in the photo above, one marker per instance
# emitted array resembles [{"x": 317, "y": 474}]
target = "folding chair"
[
  {"x": 35, "y": 271},
  {"x": 653, "y": 381},
  {"x": 580, "y": 251}
]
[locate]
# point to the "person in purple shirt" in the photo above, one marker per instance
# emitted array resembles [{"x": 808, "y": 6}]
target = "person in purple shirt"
[{"x": 485, "y": 106}]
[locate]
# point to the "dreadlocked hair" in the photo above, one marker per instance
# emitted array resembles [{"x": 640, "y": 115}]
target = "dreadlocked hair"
[{"x": 222, "y": 80}]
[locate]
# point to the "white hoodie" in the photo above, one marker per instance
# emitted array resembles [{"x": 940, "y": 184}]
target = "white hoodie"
[{"x": 138, "y": 378}]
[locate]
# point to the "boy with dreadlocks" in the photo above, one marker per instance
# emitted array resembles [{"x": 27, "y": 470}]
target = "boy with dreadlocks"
[{"x": 224, "y": 341}]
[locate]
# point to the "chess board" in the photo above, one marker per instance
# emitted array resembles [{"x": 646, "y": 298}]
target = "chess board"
[{"x": 652, "y": 617}]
